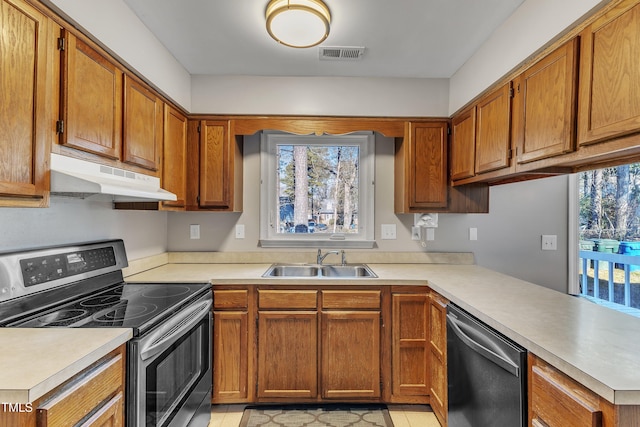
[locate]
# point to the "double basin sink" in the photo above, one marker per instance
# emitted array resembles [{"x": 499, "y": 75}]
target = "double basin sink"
[{"x": 319, "y": 271}]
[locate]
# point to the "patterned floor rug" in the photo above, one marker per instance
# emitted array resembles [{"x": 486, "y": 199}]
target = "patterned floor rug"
[{"x": 316, "y": 416}]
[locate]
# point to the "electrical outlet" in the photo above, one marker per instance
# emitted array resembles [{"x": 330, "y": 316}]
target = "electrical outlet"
[
  {"x": 549, "y": 242},
  {"x": 473, "y": 233},
  {"x": 194, "y": 231},
  {"x": 388, "y": 231},
  {"x": 239, "y": 231}
]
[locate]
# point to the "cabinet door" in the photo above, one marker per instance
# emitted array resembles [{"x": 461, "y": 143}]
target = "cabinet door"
[
  {"x": 493, "y": 129},
  {"x": 91, "y": 99},
  {"x": 142, "y": 125},
  {"x": 174, "y": 163},
  {"x": 215, "y": 165},
  {"x": 428, "y": 172},
  {"x": 610, "y": 75},
  {"x": 421, "y": 168},
  {"x": 409, "y": 347},
  {"x": 438, "y": 356},
  {"x": 230, "y": 356},
  {"x": 463, "y": 145},
  {"x": 350, "y": 354},
  {"x": 545, "y": 105},
  {"x": 24, "y": 143},
  {"x": 287, "y": 354}
]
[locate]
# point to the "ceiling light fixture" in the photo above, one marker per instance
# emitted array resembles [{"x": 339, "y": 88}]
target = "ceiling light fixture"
[{"x": 298, "y": 23}]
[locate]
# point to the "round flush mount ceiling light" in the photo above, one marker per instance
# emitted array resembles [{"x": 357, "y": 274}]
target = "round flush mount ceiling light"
[{"x": 298, "y": 23}]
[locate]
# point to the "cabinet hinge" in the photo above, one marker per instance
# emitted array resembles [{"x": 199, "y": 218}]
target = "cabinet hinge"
[
  {"x": 198, "y": 200},
  {"x": 60, "y": 126},
  {"x": 199, "y": 128},
  {"x": 61, "y": 43},
  {"x": 448, "y": 130},
  {"x": 511, "y": 92},
  {"x": 511, "y": 153}
]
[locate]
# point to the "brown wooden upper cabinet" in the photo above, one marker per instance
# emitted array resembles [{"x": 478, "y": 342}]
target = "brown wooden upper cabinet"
[
  {"x": 610, "y": 75},
  {"x": 493, "y": 130},
  {"x": 174, "y": 159},
  {"x": 142, "y": 138},
  {"x": 25, "y": 82},
  {"x": 463, "y": 145},
  {"x": 219, "y": 182},
  {"x": 91, "y": 104},
  {"x": 544, "y": 105},
  {"x": 481, "y": 136},
  {"x": 421, "y": 167}
]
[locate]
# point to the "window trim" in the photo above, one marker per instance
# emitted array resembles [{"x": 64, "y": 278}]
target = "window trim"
[
  {"x": 573, "y": 284},
  {"x": 366, "y": 187}
]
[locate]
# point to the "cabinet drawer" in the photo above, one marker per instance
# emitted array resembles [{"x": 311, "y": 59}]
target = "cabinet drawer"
[
  {"x": 289, "y": 299},
  {"x": 84, "y": 393},
  {"x": 351, "y": 299},
  {"x": 558, "y": 401},
  {"x": 228, "y": 299}
]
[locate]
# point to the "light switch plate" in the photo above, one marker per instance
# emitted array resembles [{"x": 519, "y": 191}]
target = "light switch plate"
[
  {"x": 473, "y": 233},
  {"x": 194, "y": 231}
]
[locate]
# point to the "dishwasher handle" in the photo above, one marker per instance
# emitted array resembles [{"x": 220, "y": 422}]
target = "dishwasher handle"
[{"x": 497, "y": 359}]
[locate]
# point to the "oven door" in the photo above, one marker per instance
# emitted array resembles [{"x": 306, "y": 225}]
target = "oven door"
[{"x": 169, "y": 379}]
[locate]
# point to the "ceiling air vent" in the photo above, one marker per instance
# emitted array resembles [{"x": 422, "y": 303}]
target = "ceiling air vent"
[{"x": 338, "y": 53}]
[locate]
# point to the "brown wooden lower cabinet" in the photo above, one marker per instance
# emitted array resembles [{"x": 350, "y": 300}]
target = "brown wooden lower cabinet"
[
  {"x": 438, "y": 393},
  {"x": 410, "y": 342},
  {"x": 92, "y": 398},
  {"x": 555, "y": 400},
  {"x": 231, "y": 346},
  {"x": 309, "y": 343},
  {"x": 350, "y": 355},
  {"x": 287, "y": 354}
]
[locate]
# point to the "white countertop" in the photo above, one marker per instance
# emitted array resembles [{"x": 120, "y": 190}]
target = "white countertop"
[
  {"x": 35, "y": 361},
  {"x": 598, "y": 347}
]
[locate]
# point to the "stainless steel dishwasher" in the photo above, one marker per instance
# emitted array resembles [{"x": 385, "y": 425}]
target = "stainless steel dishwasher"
[{"x": 487, "y": 374}]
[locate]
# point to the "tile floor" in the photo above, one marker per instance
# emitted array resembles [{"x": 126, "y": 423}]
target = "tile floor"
[{"x": 401, "y": 415}]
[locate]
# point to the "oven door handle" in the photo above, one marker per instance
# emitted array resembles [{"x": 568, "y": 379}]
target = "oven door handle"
[{"x": 167, "y": 334}]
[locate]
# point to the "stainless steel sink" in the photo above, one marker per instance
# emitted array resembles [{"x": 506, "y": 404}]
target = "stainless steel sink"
[
  {"x": 349, "y": 270},
  {"x": 316, "y": 271},
  {"x": 292, "y": 270}
]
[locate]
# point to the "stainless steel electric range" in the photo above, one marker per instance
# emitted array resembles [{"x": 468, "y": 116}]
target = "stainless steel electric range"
[{"x": 81, "y": 286}]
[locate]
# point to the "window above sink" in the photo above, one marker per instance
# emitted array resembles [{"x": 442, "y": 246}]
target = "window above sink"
[{"x": 317, "y": 191}]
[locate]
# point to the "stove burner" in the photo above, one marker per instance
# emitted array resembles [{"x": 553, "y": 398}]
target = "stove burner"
[
  {"x": 126, "y": 311},
  {"x": 60, "y": 317},
  {"x": 100, "y": 301},
  {"x": 166, "y": 291}
]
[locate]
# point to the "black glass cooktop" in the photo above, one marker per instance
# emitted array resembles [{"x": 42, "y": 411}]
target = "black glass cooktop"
[{"x": 138, "y": 306}]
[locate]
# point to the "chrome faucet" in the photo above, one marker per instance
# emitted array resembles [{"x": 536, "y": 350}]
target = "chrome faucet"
[{"x": 321, "y": 257}]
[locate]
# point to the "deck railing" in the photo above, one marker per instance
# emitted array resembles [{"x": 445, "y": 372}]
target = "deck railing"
[{"x": 622, "y": 262}]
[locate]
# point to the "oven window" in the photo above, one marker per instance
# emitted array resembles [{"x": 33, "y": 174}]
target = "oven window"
[{"x": 174, "y": 374}]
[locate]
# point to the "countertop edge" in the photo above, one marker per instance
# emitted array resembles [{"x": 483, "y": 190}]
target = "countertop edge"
[{"x": 46, "y": 385}]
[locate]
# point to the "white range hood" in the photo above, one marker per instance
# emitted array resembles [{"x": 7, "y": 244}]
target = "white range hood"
[{"x": 81, "y": 178}]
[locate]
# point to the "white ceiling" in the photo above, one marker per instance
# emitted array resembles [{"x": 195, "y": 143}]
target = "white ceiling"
[{"x": 403, "y": 38}]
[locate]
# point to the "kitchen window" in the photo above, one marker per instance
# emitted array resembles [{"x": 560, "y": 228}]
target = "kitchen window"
[
  {"x": 606, "y": 226},
  {"x": 317, "y": 191}
]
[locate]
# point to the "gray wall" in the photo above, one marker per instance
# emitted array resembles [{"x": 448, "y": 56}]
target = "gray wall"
[
  {"x": 70, "y": 220},
  {"x": 508, "y": 237}
]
